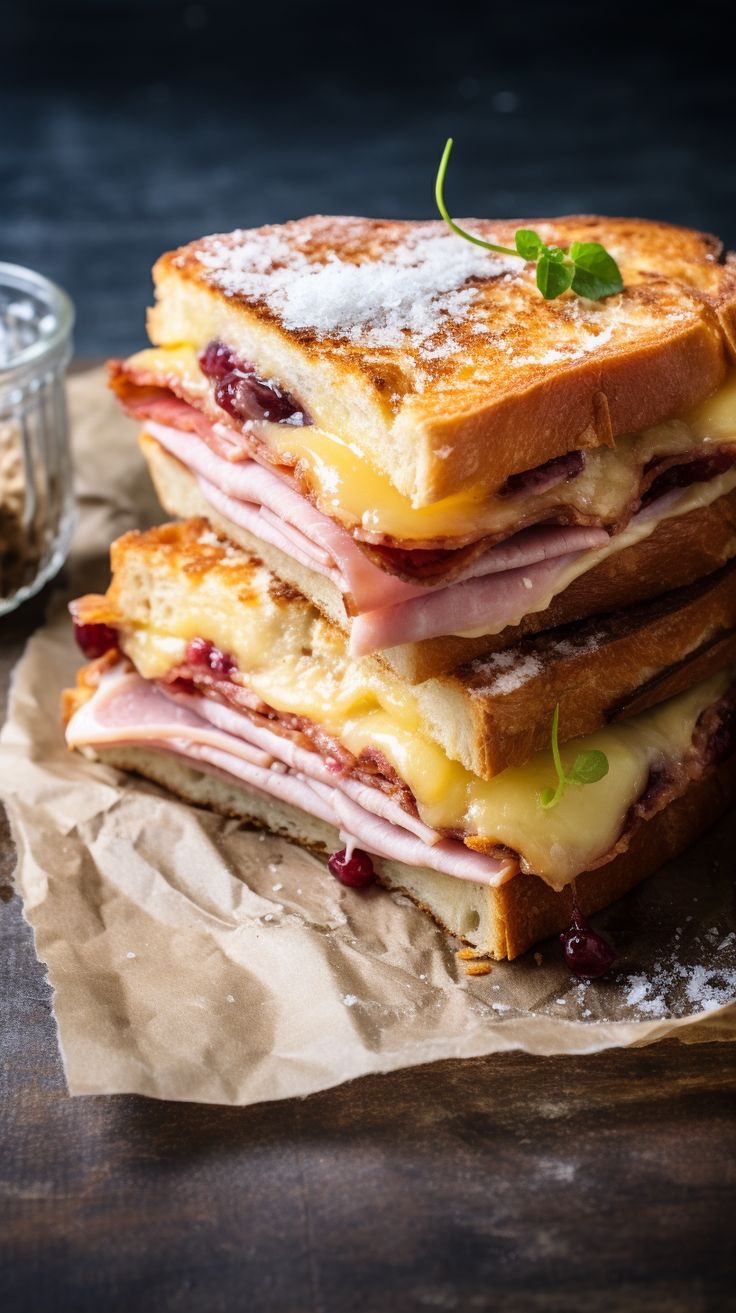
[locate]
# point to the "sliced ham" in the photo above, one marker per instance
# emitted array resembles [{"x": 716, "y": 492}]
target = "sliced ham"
[
  {"x": 126, "y": 709},
  {"x": 287, "y": 520},
  {"x": 317, "y": 538},
  {"x": 493, "y": 602},
  {"x": 304, "y": 760}
]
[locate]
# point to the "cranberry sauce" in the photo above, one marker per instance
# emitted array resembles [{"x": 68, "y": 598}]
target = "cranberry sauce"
[
  {"x": 544, "y": 476},
  {"x": 721, "y": 741},
  {"x": 95, "y": 640},
  {"x": 201, "y": 652},
  {"x": 356, "y": 871},
  {"x": 243, "y": 393},
  {"x": 697, "y": 471},
  {"x": 587, "y": 953}
]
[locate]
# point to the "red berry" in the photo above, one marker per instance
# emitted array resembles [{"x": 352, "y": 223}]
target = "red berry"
[
  {"x": 217, "y": 360},
  {"x": 95, "y": 640},
  {"x": 356, "y": 871},
  {"x": 245, "y": 396},
  {"x": 201, "y": 652},
  {"x": 587, "y": 953},
  {"x": 221, "y": 663}
]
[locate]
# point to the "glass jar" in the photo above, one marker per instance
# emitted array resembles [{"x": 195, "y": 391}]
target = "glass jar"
[{"x": 36, "y": 495}]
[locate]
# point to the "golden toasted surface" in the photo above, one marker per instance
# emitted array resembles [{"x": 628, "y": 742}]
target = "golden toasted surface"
[
  {"x": 442, "y": 362},
  {"x": 187, "y": 552},
  {"x": 411, "y": 303}
]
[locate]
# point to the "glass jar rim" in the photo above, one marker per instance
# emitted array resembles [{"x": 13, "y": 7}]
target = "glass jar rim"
[{"x": 20, "y": 279}]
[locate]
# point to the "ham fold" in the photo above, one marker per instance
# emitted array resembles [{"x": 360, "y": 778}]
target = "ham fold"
[
  {"x": 387, "y": 611},
  {"x": 126, "y": 709}
]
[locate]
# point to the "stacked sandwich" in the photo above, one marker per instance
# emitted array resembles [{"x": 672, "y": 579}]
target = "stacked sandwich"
[{"x": 451, "y": 595}]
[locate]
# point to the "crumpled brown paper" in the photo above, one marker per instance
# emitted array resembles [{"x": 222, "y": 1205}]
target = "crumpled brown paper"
[{"x": 192, "y": 959}]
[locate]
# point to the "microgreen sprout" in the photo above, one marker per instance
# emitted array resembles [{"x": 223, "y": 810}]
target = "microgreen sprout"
[
  {"x": 585, "y": 267},
  {"x": 586, "y": 769}
]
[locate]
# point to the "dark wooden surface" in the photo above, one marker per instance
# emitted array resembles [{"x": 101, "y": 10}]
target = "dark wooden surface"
[{"x": 597, "y": 1183}]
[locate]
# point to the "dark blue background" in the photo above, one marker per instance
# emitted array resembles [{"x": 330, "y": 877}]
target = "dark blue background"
[{"x": 128, "y": 128}]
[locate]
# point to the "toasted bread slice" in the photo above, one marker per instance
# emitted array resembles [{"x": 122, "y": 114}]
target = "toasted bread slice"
[
  {"x": 441, "y": 363},
  {"x": 179, "y": 581},
  {"x": 501, "y": 922}
]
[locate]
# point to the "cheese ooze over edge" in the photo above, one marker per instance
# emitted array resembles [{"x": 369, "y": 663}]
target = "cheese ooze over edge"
[
  {"x": 348, "y": 488},
  {"x": 364, "y": 710}
]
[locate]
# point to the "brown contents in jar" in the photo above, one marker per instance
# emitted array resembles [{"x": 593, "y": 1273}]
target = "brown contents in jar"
[{"x": 20, "y": 542}]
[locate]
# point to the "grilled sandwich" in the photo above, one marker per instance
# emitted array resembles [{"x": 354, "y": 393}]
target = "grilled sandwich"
[{"x": 452, "y": 590}]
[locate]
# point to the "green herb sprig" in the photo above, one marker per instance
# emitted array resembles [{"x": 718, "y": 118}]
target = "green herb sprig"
[
  {"x": 587, "y": 768},
  {"x": 584, "y": 267}
]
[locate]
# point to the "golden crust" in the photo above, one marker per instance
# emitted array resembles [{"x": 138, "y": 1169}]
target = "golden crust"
[
  {"x": 604, "y": 670},
  {"x": 500, "y": 384},
  {"x": 186, "y": 549}
]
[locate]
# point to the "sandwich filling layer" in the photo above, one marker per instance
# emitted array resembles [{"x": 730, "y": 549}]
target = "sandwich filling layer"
[
  {"x": 204, "y": 621},
  {"x": 599, "y": 488},
  {"x": 438, "y": 823},
  {"x": 518, "y": 577}
]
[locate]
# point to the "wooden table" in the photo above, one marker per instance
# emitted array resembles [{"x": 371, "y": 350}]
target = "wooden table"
[{"x": 512, "y": 1182}]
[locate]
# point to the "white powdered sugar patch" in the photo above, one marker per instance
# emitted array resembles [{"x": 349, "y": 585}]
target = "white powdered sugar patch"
[
  {"x": 567, "y": 647},
  {"x": 409, "y": 297},
  {"x": 699, "y": 988},
  {"x": 506, "y": 672}
]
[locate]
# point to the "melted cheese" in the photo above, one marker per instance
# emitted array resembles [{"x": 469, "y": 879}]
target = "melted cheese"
[
  {"x": 694, "y": 498},
  {"x": 714, "y": 420},
  {"x": 364, "y": 710},
  {"x": 348, "y": 488}
]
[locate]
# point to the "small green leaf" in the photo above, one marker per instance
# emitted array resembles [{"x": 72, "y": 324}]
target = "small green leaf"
[
  {"x": 596, "y": 272},
  {"x": 547, "y": 798},
  {"x": 552, "y": 278},
  {"x": 587, "y": 268},
  {"x": 528, "y": 243},
  {"x": 589, "y": 767}
]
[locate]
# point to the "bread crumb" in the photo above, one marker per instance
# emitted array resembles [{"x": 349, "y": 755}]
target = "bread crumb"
[
  {"x": 538, "y": 959},
  {"x": 478, "y": 969}
]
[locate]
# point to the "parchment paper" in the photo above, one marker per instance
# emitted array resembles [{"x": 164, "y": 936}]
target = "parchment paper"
[{"x": 192, "y": 959}]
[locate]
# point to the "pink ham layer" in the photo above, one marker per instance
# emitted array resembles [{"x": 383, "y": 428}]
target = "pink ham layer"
[
  {"x": 519, "y": 571},
  {"x": 126, "y": 709}
]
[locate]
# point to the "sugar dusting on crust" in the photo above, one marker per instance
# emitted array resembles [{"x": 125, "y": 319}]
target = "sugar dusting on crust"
[
  {"x": 506, "y": 672},
  {"x": 434, "y": 302},
  {"x": 409, "y": 296}
]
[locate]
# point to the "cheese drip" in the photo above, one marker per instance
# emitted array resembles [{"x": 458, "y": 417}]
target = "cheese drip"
[
  {"x": 346, "y": 486},
  {"x": 366, "y": 711}
]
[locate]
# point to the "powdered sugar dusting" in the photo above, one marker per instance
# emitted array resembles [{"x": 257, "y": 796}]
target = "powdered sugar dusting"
[
  {"x": 705, "y": 988},
  {"x": 507, "y": 672},
  {"x": 410, "y": 296},
  {"x": 419, "y": 291}
]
